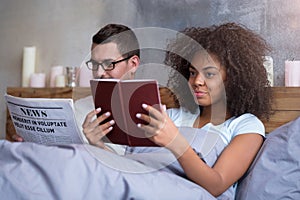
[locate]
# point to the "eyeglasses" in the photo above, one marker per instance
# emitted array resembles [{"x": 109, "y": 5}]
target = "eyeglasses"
[{"x": 106, "y": 65}]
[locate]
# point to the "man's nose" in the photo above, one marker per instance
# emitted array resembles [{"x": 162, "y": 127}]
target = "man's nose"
[{"x": 99, "y": 73}]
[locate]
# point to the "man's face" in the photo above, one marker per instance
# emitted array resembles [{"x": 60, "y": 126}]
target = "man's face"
[{"x": 109, "y": 52}]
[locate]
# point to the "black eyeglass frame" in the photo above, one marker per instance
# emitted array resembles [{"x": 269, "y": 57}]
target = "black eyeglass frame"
[{"x": 111, "y": 66}]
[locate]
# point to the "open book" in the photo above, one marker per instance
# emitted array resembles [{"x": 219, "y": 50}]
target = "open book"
[
  {"x": 44, "y": 120},
  {"x": 124, "y": 99}
]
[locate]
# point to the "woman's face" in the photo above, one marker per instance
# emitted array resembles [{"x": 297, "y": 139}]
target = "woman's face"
[{"x": 207, "y": 78}]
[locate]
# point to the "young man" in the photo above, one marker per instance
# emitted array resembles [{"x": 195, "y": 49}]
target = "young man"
[{"x": 115, "y": 53}]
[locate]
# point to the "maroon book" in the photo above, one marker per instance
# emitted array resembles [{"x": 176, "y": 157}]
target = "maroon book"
[{"x": 124, "y": 99}]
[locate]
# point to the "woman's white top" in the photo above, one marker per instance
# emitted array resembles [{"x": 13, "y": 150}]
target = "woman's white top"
[{"x": 246, "y": 123}]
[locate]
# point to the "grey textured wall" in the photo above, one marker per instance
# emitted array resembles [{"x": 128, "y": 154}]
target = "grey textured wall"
[
  {"x": 276, "y": 20},
  {"x": 61, "y": 30}
]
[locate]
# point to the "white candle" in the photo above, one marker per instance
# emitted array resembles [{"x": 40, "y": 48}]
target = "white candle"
[
  {"x": 292, "y": 73},
  {"x": 38, "y": 80},
  {"x": 28, "y": 64},
  {"x": 55, "y": 71},
  {"x": 60, "y": 81}
]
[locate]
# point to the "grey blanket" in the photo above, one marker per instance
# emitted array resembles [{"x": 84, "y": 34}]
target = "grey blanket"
[{"x": 34, "y": 171}]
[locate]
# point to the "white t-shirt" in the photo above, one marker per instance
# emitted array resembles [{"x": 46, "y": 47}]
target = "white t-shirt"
[{"x": 246, "y": 123}]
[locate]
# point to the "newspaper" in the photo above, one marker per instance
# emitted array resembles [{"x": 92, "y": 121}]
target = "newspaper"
[{"x": 49, "y": 121}]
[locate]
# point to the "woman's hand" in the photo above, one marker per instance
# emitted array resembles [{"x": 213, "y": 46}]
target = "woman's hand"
[
  {"x": 162, "y": 130},
  {"x": 93, "y": 130}
]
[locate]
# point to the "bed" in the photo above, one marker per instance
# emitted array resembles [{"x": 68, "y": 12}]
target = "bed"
[{"x": 32, "y": 171}]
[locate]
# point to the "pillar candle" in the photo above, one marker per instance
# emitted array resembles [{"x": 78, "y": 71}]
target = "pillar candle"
[
  {"x": 292, "y": 73},
  {"x": 60, "y": 81},
  {"x": 55, "y": 71},
  {"x": 38, "y": 80},
  {"x": 28, "y": 64}
]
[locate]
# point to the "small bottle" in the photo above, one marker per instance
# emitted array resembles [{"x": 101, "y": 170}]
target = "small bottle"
[{"x": 268, "y": 64}]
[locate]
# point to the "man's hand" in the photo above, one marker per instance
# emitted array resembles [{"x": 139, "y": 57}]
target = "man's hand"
[
  {"x": 17, "y": 138},
  {"x": 93, "y": 130}
]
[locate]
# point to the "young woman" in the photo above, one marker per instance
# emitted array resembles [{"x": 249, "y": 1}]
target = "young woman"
[{"x": 223, "y": 66}]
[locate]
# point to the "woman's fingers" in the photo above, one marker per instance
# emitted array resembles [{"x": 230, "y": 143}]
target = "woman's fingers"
[
  {"x": 153, "y": 112},
  {"x": 156, "y": 118},
  {"x": 155, "y": 121},
  {"x": 150, "y": 130}
]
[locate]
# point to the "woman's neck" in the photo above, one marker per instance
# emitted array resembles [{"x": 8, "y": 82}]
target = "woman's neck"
[{"x": 212, "y": 114}]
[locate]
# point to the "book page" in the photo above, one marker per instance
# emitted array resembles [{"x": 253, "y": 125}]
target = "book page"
[{"x": 44, "y": 120}]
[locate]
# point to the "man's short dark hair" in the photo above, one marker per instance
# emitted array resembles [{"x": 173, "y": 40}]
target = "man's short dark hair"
[{"x": 123, "y": 36}]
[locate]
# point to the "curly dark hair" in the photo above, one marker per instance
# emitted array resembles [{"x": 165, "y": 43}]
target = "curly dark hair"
[{"x": 240, "y": 51}]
